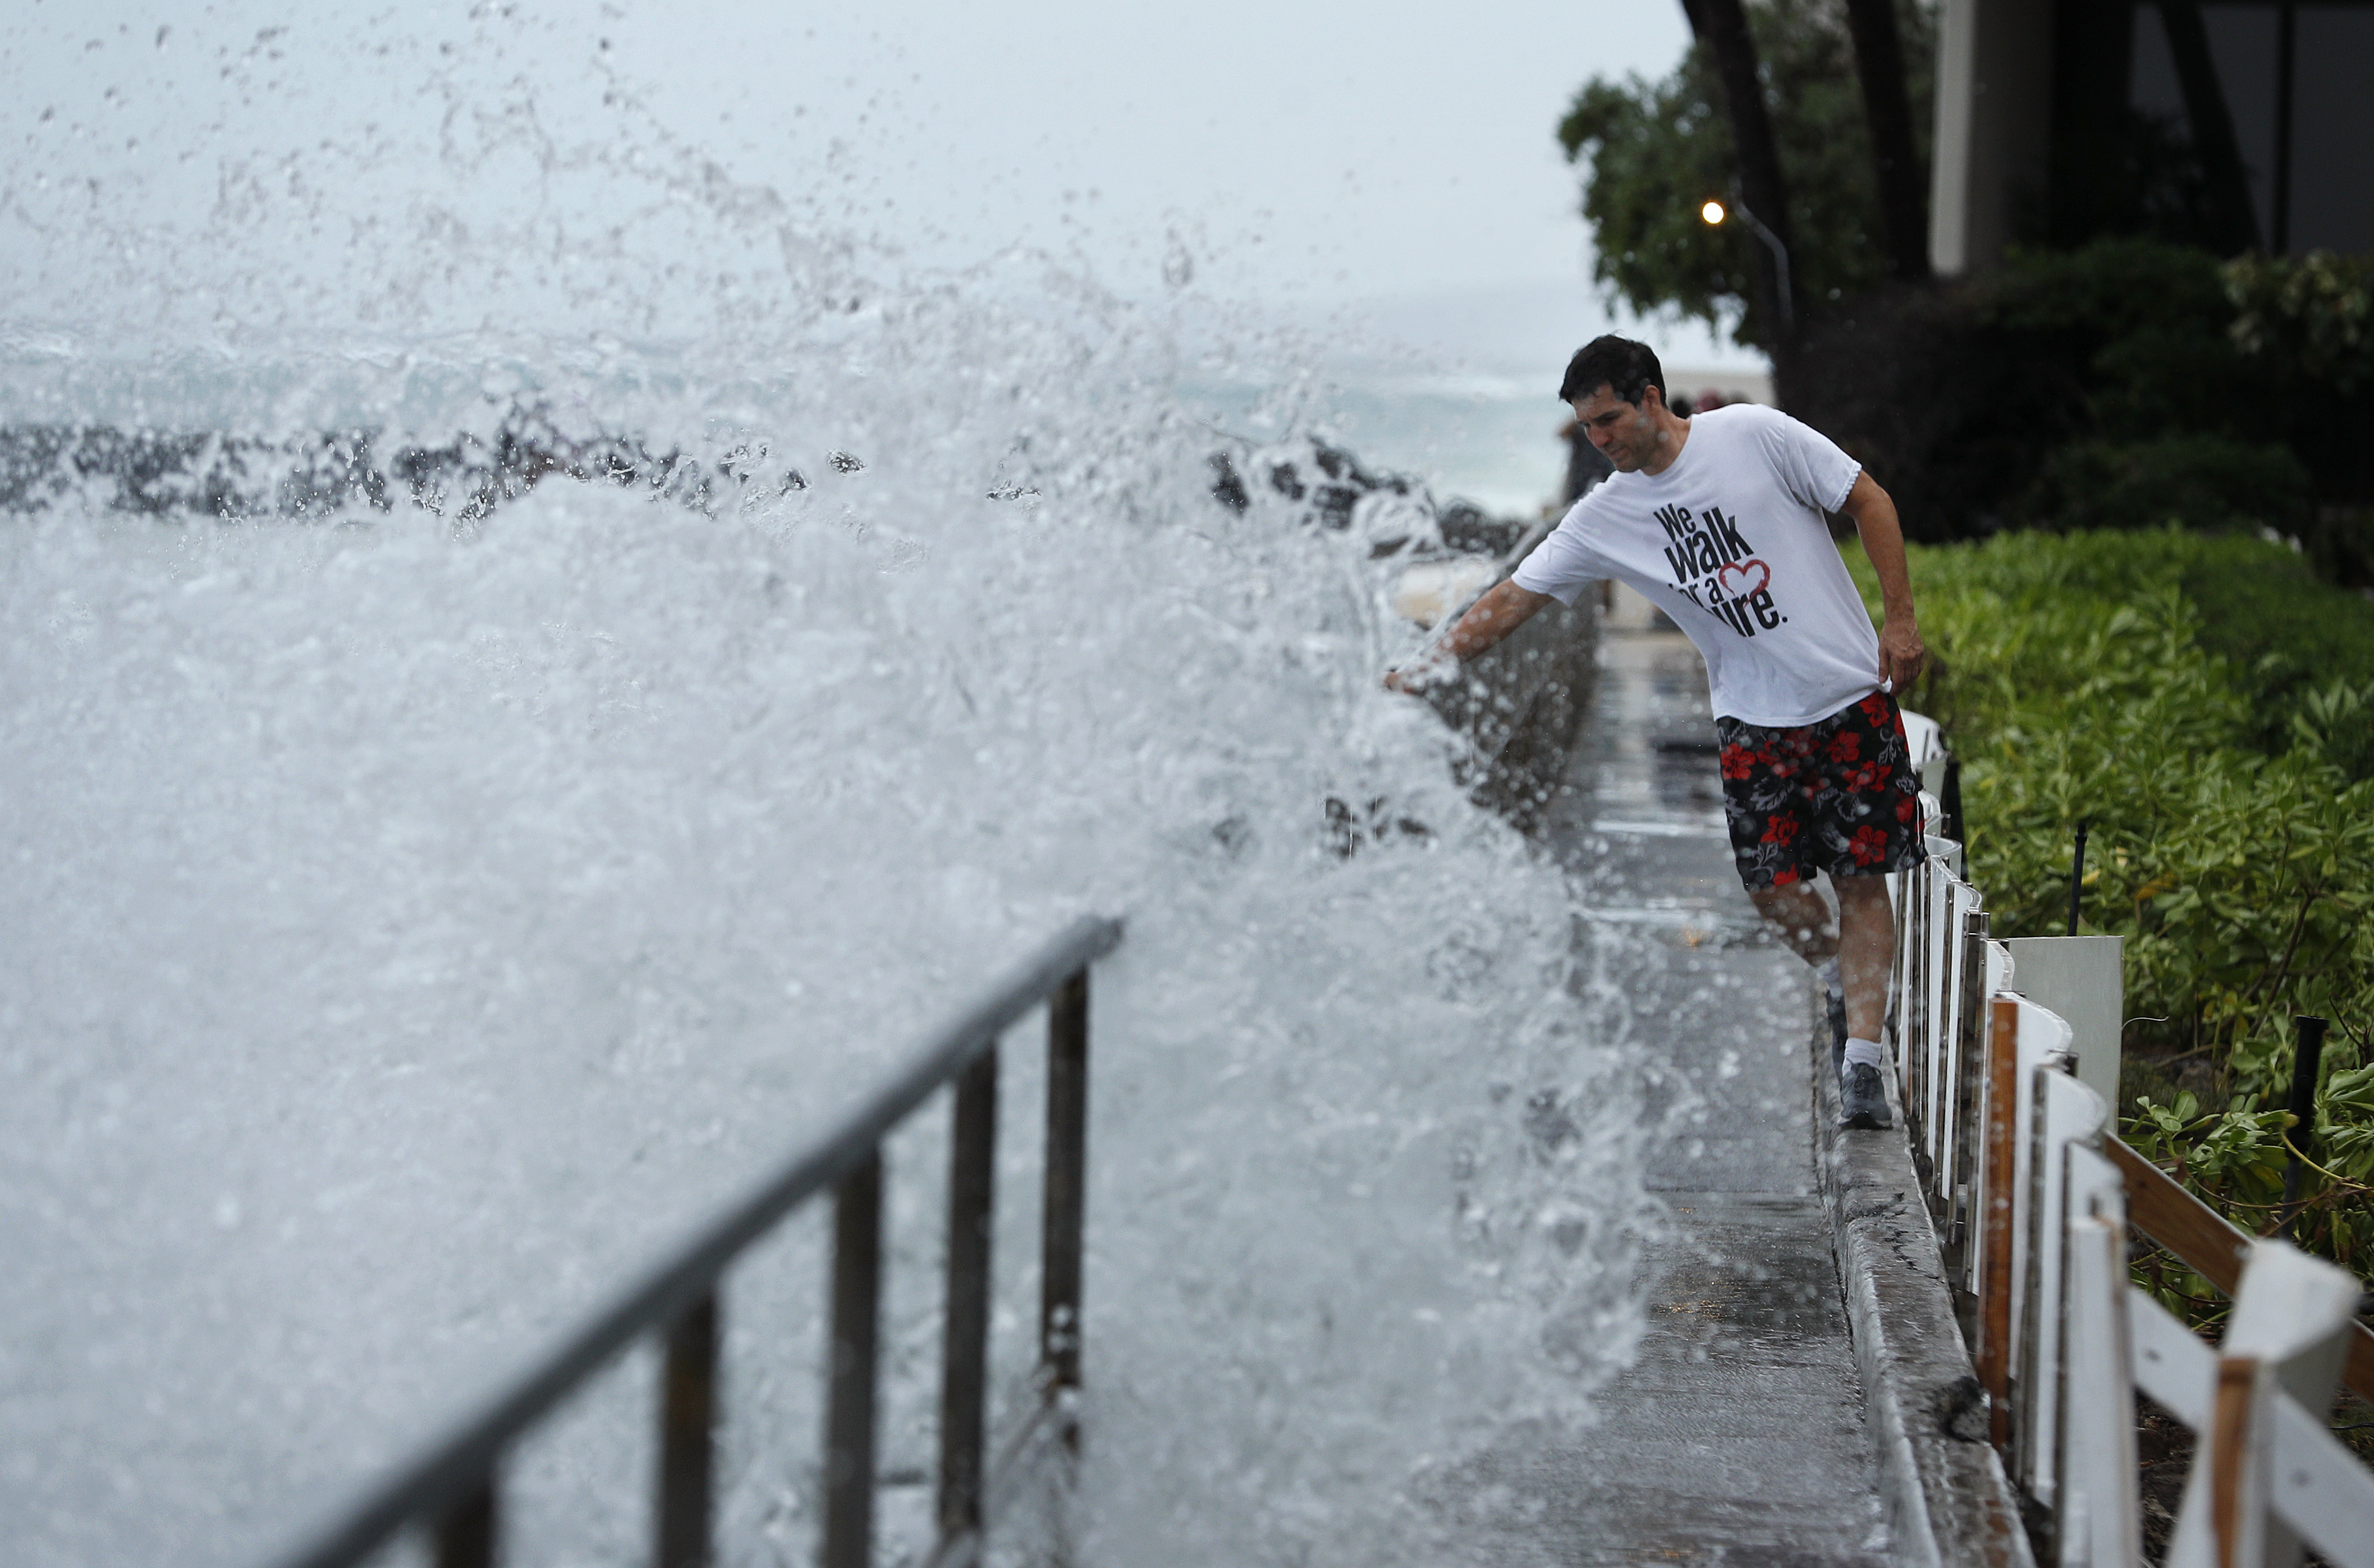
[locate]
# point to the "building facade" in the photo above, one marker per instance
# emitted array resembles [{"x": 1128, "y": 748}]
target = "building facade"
[{"x": 2240, "y": 125}]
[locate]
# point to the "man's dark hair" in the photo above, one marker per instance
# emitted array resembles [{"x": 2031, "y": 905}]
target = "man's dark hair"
[{"x": 1627, "y": 369}]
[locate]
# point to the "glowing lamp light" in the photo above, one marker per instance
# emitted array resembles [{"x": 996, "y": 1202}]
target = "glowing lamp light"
[{"x": 1712, "y": 212}]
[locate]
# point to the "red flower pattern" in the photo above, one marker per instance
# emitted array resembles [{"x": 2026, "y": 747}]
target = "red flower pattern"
[{"x": 1817, "y": 798}]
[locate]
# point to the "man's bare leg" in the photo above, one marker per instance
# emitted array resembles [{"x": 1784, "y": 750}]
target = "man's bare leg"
[
  {"x": 1866, "y": 947},
  {"x": 1804, "y": 921},
  {"x": 1862, "y": 940}
]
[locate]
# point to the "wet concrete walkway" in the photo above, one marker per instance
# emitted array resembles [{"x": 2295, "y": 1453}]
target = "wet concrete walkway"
[{"x": 1737, "y": 1436}]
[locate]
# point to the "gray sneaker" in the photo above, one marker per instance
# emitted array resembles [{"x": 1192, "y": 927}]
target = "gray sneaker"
[{"x": 1865, "y": 1100}]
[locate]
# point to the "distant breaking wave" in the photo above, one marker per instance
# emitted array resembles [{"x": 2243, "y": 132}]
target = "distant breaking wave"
[
  {"x": 331, "y": 473},
  {"x": 232, "y": 477}
]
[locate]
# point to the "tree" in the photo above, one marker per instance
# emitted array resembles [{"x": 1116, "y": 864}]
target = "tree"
[
  {"x": 1899, "y": 170},
  {"x": 1652, "y": 151},
  {"x": 1721, "y": 29},
  {"x": 2233, "y": 225}
]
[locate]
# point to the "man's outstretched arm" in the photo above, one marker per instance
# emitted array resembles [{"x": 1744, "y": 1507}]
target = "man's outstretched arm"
[
  {"x": 1490, "y": 618},
  {"x": 1901, "y": 653}
]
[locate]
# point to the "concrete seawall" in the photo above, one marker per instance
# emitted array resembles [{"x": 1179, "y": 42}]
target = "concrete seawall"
[{"x": 1522, "y": 707}]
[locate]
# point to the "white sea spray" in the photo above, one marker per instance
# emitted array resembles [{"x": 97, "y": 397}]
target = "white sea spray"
[{"x": 414, "y": 918}]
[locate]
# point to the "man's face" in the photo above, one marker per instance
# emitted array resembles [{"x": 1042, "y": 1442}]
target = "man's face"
[{"x": 1626, "y": 434}]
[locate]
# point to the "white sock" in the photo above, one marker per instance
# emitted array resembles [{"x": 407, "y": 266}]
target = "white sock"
[
  {"x": 1831, "y": 979},
  {"x": 1864, "y": 1053}
]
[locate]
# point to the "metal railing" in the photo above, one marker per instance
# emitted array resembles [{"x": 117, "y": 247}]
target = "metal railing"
[
  {"x": 2033, "y": 1199},
  {"x": 452, "y": 1486}
]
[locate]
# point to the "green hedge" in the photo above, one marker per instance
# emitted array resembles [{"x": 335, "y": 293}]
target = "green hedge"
[{"x": 2207, "y": 708}]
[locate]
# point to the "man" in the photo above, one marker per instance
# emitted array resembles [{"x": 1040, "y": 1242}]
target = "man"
[{"x": 1720, "y": 522}]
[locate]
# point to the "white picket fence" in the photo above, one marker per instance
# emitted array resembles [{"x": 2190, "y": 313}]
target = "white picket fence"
[{"x": 2031, "y": 1195}]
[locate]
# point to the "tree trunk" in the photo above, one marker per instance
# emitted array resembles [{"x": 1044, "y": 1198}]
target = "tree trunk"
[
  {"x": 1887, "y": 109},
  {"x": 2233, "y": 220},
  {"x": 1722, "y": 25},
  {"x": 2092, "y": 188}
]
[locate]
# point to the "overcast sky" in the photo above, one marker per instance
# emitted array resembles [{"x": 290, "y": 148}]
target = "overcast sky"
[
  {"x": 1296, "y": 155},
  {"x": 1329, "y": 148}
]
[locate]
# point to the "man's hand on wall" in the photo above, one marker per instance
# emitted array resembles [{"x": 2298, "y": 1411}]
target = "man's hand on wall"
[{"x": 1421, "y": 674}]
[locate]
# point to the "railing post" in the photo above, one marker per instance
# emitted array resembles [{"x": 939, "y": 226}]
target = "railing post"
[
  {"x": 1995, "y": 1274},
  {"x": 2230, "y": 1461},
  {"x": 964, "y": 1357},
  {"x": 1066, "y": 1191},
  {"x": 849, "y": 1421},
  {"x": 1912, "y": 1018},
  {"x": 2077, "y": 878},
  {"x": 1900, "y": 976},
  {"x": 467, "y": 1535},
  {"x": 1948, "y": 959},
  {"x": 2307, "y": 1052},
  {"x": 2100, "y": 1513},
  {"x": 450, "y": 1492},
  {"x": 1959, "y": 1098},
  {"x": 687, "y": 1428}
]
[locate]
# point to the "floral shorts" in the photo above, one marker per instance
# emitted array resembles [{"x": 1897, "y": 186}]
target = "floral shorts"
[{"x": 1836, "y": 796}]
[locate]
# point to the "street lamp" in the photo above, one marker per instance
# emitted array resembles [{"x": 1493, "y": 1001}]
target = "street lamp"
[{"x": 1714, "y": 213}]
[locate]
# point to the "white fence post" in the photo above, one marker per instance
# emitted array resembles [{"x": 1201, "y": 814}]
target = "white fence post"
[
  {"x": 2083, "y": 979},
  {"x": 2284, "y": 1342},
  {"x": 2067, "y": 1118},
  {"x": 1936, "y": 952},
  {"x": 2034, "y": 1226},
  {"x": 2040, "y": 1049},
  {"x": 2100, "y": 1518}
]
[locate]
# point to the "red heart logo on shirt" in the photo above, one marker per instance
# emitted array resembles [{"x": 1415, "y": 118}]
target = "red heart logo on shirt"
[{"x": 1739, "y": 580}]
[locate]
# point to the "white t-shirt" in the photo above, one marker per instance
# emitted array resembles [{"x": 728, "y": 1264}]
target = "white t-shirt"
[{"x": 1730, "y": 541}]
